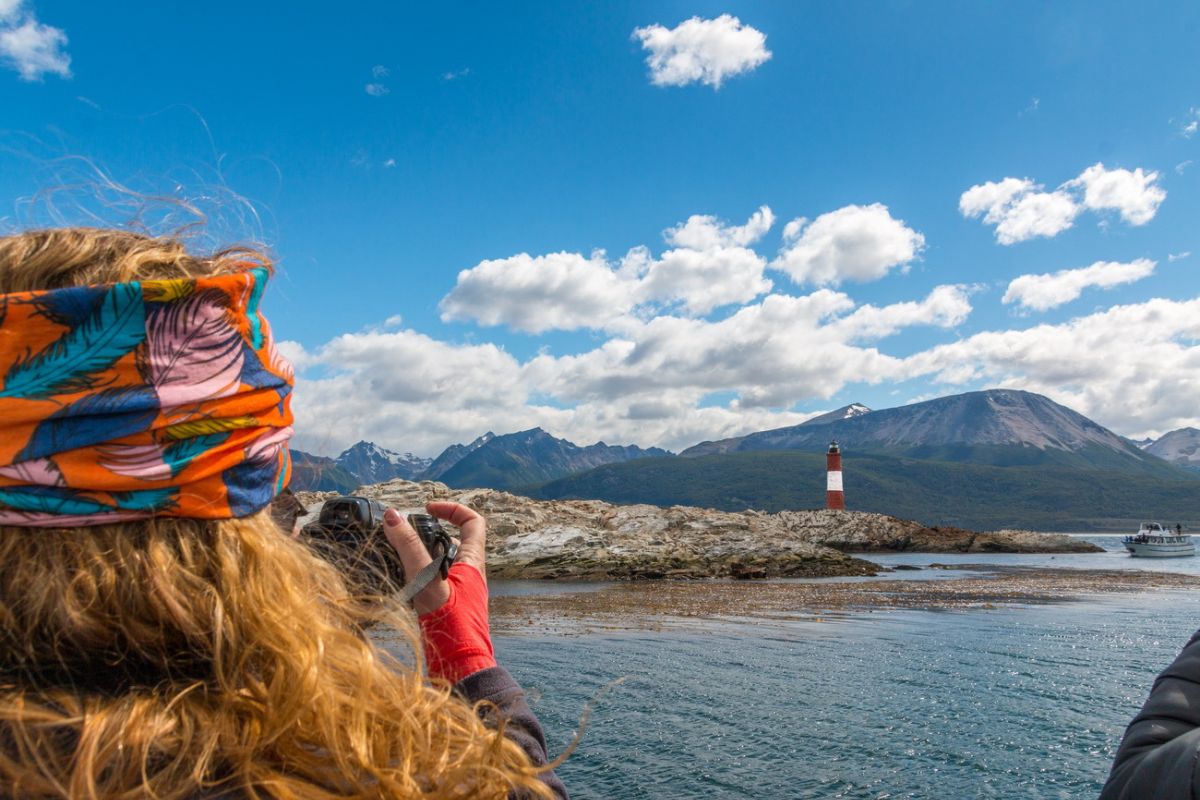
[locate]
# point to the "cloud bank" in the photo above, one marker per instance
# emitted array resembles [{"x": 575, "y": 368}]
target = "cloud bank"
[{"x": 704, "y": 337}]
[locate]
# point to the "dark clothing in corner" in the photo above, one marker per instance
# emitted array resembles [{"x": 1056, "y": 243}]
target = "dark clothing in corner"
[
  {"x": 496, "y": 686},
  {"x": 1159, "y": 757}
]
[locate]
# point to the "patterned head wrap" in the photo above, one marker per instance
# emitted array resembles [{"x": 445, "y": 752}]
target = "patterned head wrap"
[{"x": 141, "y": 399}]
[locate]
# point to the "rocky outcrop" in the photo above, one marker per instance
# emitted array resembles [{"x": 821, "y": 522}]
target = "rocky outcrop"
[
  {"x": 861, "y": 532},
  {"x": 594, "y": 540}
]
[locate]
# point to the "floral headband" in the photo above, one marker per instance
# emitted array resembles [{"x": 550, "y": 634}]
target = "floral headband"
[{"x": 141, "y": 399}]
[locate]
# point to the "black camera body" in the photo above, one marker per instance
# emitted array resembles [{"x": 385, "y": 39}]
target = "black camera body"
[{"x": 349, "y": 533}]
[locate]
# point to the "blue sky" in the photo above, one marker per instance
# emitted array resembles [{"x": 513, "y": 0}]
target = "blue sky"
[{"x": 383, "y": 151}]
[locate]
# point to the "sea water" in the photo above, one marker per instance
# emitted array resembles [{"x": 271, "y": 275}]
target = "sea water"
[{"x": 1019, "y": 702}]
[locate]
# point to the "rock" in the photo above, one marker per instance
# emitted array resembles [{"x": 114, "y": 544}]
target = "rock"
[{"x": 594, "y": 540}]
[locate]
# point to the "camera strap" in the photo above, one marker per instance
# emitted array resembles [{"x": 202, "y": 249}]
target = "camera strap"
[{"x": 439, "y": 567}]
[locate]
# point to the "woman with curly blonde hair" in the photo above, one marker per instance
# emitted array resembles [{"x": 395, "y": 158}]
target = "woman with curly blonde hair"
[{"x": 162, "y": 637}]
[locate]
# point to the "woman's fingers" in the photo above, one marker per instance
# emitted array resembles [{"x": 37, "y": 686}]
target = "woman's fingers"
[
  {"x": 472, "y": 527},
  {"x": 415, "y": 558}
]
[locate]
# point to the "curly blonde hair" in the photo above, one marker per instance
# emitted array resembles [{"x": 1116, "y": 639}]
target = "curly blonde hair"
[{"x": 180, "y": 658}]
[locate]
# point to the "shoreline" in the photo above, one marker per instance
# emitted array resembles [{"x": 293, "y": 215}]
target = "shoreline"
[{"x": 666, "y": 605}]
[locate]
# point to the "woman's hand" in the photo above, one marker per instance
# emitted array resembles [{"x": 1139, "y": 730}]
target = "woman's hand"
[
  {"x": 453, "y": 613},
  {"x": 471, "y": 550}
]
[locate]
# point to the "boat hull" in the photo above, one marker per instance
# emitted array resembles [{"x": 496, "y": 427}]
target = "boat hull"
[{"x": 1155, "y": 550}]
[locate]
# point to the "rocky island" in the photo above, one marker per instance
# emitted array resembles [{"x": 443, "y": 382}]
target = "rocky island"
[{"x": 595, "y": 540}]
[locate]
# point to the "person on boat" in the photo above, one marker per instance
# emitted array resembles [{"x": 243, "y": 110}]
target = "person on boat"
[
  {"x": 163, "y": 636},
  {"x": 1178, "y": 529}
]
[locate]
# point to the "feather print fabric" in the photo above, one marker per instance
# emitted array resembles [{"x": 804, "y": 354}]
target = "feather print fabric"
[{"x": 151, "y": 398}]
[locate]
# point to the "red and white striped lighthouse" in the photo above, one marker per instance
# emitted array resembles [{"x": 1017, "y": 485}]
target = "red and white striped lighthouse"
[{"x": 834, "y": 498}]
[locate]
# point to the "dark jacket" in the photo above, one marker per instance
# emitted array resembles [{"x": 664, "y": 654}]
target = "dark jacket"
[
  {"x": 1159, "y": 758},
  {"x": 496, "y": 686}
]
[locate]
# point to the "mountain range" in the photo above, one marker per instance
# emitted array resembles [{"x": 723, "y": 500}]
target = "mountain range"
[
  {"x": 999, "y": 427},
  {"x": 498, "y": 462},
  {"x": 990, "y": 458},
  {"x": 532, "y": 457}
]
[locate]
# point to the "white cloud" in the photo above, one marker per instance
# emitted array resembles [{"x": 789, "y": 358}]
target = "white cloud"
[
  {"x": 854, "y": 243},
  {"x": 391, "y": 162},
  {"x": 704, "y": 50},
  {"x": 1042, "y": 292},
  {"x": 377, "y": 89},
  {"x": 711, "y": 265},
  {"x": 1019, "y": 209},
  {"x": 703, "y": 232},
  {"x": 706, "y": 279},
  {"x": 1037, "y": 214},
  {"x": 1133, "y": 194},
  {"x": 1173, "y": 257},
  {"x": 945, "y": 307},
  {"x": 454, "y": 75},
  {"x": 379, "y": 71},
  {"x": 1022, "y": 210},
  {"x": 31, "y": 48},
  {"x": 296, "y": 354},
  {"x": 562, "y": 291},
  {"x": 1183, "y": 165},
  {"x": 991, "y": 199}
]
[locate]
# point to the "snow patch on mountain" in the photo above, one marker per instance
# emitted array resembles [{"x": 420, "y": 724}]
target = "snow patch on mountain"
[{"x": 371, "y": 463}]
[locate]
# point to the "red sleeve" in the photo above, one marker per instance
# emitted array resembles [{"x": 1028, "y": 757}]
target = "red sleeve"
[{"x": 457, "y": 638}]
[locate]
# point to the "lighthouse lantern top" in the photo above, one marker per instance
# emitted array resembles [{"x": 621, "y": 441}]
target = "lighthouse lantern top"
[{"x": 833, "y": 447}]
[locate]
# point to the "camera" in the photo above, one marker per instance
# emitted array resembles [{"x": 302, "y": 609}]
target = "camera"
[{"x": 349, "y": 533}]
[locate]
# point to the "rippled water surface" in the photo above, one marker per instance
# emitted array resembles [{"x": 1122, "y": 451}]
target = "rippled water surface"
[{"x": 1009, "y": 703}]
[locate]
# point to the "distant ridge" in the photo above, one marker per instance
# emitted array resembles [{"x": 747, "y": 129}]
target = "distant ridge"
[
  {"x": 999, "y": 427},
  {"x": 1180, "y": 447},
  {"x": 733, "y": 444},
  {"x": 452, "y": 455},
  {"x": 531, "y": 457}
]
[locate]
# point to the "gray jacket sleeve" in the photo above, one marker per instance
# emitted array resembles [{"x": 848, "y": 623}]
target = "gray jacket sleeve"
[
  {"x": 1158, "y": 756},
  {"x": 496, "y": 686}
]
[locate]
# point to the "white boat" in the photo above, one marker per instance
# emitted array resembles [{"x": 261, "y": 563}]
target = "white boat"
[{"x": 1155, "y": 541}]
